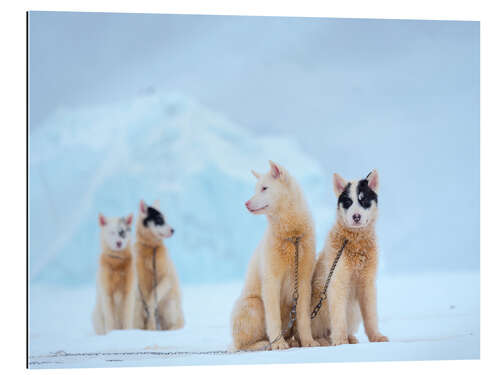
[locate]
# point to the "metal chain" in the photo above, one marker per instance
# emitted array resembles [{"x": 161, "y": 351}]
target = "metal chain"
[
  {"x": 327, "y": 283},
  {"x": 144, "y": 306},
  {"x": 155, "y": 284},
  {"x": 62, "y": 353},
  {"x": 293, "y": 311},
  {"x": 295, "y": 297}
]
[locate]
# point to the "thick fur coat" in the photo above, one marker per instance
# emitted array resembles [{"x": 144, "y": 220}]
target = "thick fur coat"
[
  {"x": 115, "y": 282},
  {"x": 351, "y": 296},
  {"x": 166, "y": 296},
  {"x": 262, "y": 311}
]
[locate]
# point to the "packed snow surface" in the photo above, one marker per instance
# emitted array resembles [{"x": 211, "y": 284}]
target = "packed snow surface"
[{"x": 431, "y": 316}]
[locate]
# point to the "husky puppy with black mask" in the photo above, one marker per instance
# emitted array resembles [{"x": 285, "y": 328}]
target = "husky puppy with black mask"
[
  {"x": 158, "y": 296},
  {"x": 351, "y": 295}
]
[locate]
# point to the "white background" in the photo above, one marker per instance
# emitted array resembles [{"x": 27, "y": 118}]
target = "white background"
[{"x": 13, "y": 148}]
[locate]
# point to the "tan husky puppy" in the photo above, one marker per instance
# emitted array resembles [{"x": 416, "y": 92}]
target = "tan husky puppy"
[
  {"x": 115, "y": 281},
  {"x": 158, "y": 301},
  {"x": 263, "y": 309},
  {"x": 352, "y": 291}
]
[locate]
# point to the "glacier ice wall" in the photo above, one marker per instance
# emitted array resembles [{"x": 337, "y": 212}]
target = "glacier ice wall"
[{"x": 158, "y": 146}]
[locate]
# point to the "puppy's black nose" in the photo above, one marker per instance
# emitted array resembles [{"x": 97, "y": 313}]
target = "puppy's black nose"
[
  {"x": 172, "y": 230},
  {"x": 356, "y": 218}
]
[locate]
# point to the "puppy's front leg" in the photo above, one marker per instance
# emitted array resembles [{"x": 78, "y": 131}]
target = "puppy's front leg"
[
  {"x": 128, "y": 313},
  {"x": 337, "y": 304},
  {"x": 368, "y": 304},
  {"x": 304, "y": 302},
  {"x": 271, "y": 288},
  {"x": 161, "y": 290},
  {"x": 107, "y": 308},
  {"x": 155, "y": 297}
]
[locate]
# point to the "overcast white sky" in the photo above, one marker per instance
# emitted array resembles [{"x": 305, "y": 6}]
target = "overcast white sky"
[{"x": 308, "y": 77}]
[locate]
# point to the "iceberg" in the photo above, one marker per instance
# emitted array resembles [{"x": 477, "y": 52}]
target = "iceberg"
[{"x": 164, "y": 146}]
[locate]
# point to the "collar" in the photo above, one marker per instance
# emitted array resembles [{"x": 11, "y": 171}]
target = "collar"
[{"x": 116, "y": 256}]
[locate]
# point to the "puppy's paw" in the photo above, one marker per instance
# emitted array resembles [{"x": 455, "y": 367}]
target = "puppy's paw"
[
  {"x": 339, "y": 340},
  {"x": 150, "y": 325},
  {"x": 293, "y": 343},
  {"x": 281, "y": 344},
  {"x": 309, "y": 343},
  {"x": 352, "y": 339},
  {"x": 378, "y": 338},
  {"x": 323, "y": 341}
]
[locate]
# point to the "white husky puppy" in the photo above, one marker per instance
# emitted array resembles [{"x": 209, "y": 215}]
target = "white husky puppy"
[
  {"x": 116, "y": 277},
  {"x": 263, "y": 309}
]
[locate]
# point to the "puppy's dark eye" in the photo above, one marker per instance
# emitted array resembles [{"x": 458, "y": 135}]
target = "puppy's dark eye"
[
  {"x": 264, "y": 188},
  {"x": 347, "y": 202},
  {"x": 365, "y": 203}
]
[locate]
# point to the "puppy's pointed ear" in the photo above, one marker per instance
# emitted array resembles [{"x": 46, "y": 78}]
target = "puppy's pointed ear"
[
  {"x": 257, "y": 176},
  {"x": 102, "y": 220},
  {"x": 129, "y": 219},
  {"x": 339, "y": 184},
  {"x": 373, "y": 180},
  {"x": 277, "y": 171},
  {"x": 156, "y": 204},
  {"x": 143, "y": 208}
]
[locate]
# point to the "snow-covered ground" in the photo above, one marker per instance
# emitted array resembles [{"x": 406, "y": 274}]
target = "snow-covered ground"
[{"x": 429, "y": 316}]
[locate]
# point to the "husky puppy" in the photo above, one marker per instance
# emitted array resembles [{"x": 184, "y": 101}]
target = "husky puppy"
[
  {"x": 262, "y": 311},
  {"x": 115, "y": 281},
  {"x": 158, "y": 296},
  {"x": 352, "y": 292}
]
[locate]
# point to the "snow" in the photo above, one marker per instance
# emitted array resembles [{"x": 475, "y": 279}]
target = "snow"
[{"x": 429, "y": 316}]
